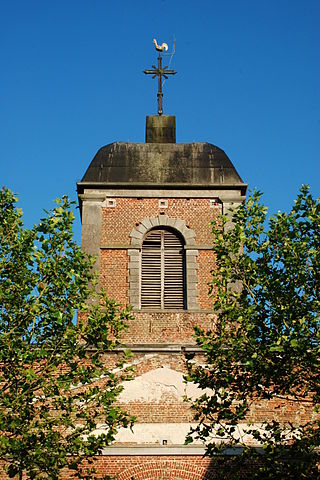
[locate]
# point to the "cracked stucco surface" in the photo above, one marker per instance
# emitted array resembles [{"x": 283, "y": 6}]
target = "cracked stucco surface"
[{"x": 158, "y": 384}]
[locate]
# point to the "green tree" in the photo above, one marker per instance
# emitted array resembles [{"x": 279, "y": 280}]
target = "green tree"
[
  {"x": 54, "y": 384},
  {"x": 265, "y": 346}
]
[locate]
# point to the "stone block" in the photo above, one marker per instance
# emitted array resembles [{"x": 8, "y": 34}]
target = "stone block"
[
  {"x": 154, "y": 222},
  {"x": 133, "y": 265},
  {"x": 136, "y": 242},
  {"x": 163, "y": 219},
  {"x": 189, "y": 234},
  {"x": 141, "y": 228},
  {"x": 136, "y": 234},
  {"x": 192, "y": 265},
  {"x": 191, "y": 278},
  {"x": 171, "y": 222},
  {"x": 146, "y": 222},
  {"x": 91, "y": 213},
  {"x": 192, "y": 253},
  {"x": 133, "y": 253},
  {"x": 180, "y": 225}
]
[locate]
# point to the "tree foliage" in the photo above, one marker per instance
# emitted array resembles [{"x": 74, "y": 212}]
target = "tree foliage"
[
  {"x": 265, "y": 347},
  {"x": 54, "y": 384}
]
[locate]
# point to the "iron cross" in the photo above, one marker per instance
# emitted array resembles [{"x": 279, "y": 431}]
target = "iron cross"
[{"x": 159, "y": 72}]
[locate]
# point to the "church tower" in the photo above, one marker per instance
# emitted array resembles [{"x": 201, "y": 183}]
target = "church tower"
[{"x": 146, "y": 210}]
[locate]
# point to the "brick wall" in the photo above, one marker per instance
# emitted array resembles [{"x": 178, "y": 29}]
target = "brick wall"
[
  {"x": 206, "y": 263},
  {"x": 118, "y": 222},
  {"x": 166, "y": 327},
  {"x": 114, "y": 274},
  {"x": 163, "y": 467},
  {"x": 167, "y": 467}
]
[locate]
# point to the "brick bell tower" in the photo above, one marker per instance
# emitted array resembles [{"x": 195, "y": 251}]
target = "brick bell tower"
[{"x": 146, "y": 210}]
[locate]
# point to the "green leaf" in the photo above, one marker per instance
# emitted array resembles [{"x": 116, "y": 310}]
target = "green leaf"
[
  {"x": 49, "y": 364},
  {"x": 261, "y": 360}
]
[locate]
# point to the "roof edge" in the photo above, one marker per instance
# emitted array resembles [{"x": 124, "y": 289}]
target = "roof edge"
[{"x": 167, "y": 186}]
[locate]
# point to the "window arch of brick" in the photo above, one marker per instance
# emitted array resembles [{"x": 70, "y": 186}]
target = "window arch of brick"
[
  {"x": 138, "y": 235},
  {"x": 175, "y": 469}
]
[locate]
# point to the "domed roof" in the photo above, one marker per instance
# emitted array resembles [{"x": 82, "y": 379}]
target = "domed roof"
[{"x": 161, "y": 164}]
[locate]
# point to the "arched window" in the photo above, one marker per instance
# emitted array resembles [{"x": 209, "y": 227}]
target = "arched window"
[{"x": 163, "y": 283}]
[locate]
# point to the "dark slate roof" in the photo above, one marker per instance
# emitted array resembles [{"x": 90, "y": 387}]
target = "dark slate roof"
[{"x": 164, "y": 164}]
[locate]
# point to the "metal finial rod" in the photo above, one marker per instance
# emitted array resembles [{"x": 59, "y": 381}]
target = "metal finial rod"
[{"x": 160, "y": 72}]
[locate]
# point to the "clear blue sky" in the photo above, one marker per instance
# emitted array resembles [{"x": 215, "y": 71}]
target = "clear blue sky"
[{"x": 71, "y": 81}]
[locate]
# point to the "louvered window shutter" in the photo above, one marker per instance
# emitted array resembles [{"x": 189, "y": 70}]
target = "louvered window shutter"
[{"x": 162, "y": 271}]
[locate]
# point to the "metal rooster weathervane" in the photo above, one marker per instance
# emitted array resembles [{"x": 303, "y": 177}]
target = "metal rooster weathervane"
[{"x": 160, "y": 72}]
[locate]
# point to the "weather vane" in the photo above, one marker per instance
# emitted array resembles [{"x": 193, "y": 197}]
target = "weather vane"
[{"x": 160, "y": 72}]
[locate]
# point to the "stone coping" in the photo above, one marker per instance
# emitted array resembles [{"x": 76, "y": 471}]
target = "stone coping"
[
  {"x": 166, "y": 450},
  {"x": 160, "y": 348}
]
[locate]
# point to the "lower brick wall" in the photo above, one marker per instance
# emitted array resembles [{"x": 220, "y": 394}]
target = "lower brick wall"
[
  {"x": 156, "y": 467},
  {"x": 166, "y": 327},
  {"x": 170, "y": 467},
  {"x": 206, "y": 262},
  {"x": 160, "y": 467},
  {"x": 114, "y": 274}
]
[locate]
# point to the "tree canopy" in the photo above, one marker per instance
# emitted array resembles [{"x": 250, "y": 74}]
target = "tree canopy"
[
  {"x": 263, "y": 354},
  {"x": 54, "y": 384}
]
